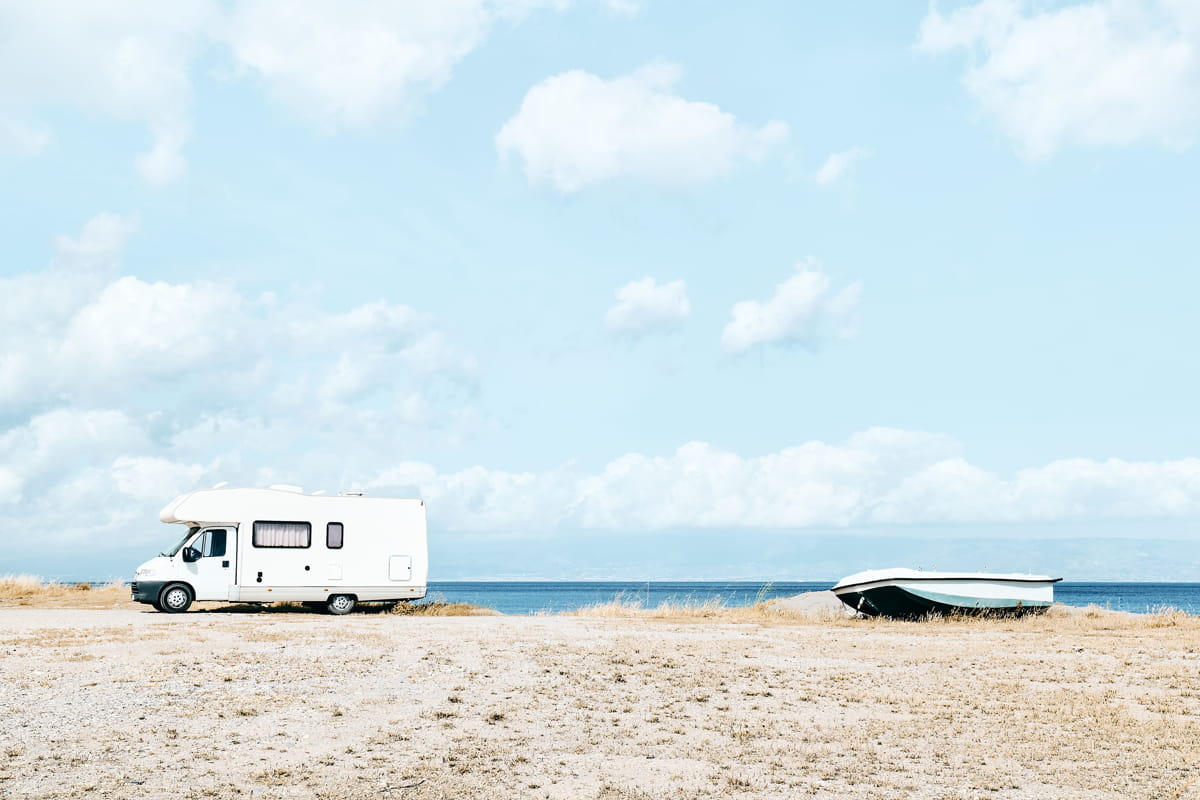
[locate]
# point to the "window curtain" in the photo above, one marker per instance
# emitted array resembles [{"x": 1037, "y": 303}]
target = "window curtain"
[{"x": 282, "y": 534}]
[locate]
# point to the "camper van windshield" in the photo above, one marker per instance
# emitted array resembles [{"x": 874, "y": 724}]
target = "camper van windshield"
[{"x": 181, "y": 542}]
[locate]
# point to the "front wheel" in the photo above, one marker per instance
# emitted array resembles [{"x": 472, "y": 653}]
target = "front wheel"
[
  {"x": 175, "y": 599},
  {"x": 340, "y": 604}
]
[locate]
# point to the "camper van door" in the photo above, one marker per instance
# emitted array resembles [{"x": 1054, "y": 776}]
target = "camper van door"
[{"x": 211, "y": 573}]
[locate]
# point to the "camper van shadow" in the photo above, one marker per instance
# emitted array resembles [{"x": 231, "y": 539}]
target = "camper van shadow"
[
  {"x": 288, "y": 608},
  {"x": 402, "y": 608}
]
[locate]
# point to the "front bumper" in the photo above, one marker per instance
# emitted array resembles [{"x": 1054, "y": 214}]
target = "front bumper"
[{"x": 146, "y": 591}]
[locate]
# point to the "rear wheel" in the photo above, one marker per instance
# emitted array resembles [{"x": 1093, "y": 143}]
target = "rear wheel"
[
  {"x": 175, "y": 599},
  {"x": 340, "y": 604}
]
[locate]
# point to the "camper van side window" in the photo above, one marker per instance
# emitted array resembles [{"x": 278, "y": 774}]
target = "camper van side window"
[
  {"x": 282, "y": 534},
  {"x": 333, "y": 535}
]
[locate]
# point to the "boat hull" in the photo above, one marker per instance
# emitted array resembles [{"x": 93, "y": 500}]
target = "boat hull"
[{"x": 909, "y": 596}]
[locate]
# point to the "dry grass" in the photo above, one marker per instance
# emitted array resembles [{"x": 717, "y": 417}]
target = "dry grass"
[
  {"x": 625, "y": 608},
  {"x": 1069, "y": 619},
  {"x": 13, "y": 586},
  {"x": 440, "y": 608},
  {"x": 29, "y": 590},
  {"x": 708, "y": 608},
  {"x": 1058, "y": 618}
]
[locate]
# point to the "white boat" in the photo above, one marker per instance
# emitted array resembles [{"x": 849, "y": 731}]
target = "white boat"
[{"x": 910, "y": 593}]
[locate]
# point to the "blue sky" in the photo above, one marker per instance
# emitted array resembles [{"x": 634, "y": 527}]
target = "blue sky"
[{"x": 623, "y": 288}]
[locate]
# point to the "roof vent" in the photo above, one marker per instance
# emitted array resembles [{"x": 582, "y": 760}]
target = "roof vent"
[
  {"x": 286, "y": 487},
  {"x": 350, "y": 494}
]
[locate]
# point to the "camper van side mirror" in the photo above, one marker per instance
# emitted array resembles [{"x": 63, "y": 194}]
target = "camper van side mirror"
[{"x": 191, "y": 554}]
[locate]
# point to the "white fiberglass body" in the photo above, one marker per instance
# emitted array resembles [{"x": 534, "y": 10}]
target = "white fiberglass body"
[{"x": 908, "y": 592}]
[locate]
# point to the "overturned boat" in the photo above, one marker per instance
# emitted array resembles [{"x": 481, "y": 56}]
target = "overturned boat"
[{"x": 910, "y": 593}]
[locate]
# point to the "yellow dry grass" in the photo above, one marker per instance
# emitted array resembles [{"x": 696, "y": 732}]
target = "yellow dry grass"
[
  {"x": 440, "y": 608},
  {"x": 19, "y": 585},
  {"x": 711, "y": 609},
  {"x": 32, "y": 590},
  {"x": 1058, "y": 618}
]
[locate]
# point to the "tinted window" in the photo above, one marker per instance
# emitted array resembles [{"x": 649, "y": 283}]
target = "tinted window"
[
  {"x": 282, "y": 534},
  {"x": 214, "y": 543},
  {"x": 333, "y": 535}
]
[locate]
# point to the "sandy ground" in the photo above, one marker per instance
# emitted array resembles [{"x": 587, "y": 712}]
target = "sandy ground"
[{"x": 129, "y": 703}]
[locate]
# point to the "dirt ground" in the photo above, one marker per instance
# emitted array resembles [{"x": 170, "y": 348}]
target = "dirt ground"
[{"x": 130, "y": 703}]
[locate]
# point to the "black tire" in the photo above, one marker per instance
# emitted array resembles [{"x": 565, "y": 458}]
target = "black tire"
[
  {"x": 340, "y": 604},
  {"x": 175, "y": 598}
]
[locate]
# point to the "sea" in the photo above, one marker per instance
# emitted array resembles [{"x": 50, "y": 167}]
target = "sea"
[{"x": 552, "y": 597}]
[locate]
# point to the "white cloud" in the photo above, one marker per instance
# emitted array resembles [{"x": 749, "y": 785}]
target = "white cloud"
[
  {"x": 100, "y": 497},
  {"x": 1107, "y": 72},
  {"x": 47, "y": 442},
  {"x": 838, "y": 164},
  {"x": 99, "y": 243},
  {"x": 10, "y": 486},
  {"x": 22, "y": 138},
  {"x": 624, "y": 8},
  {"x": 576, "y": 129},
  {"x": 154, "y": 479},
  {"x": 128, "y": 335},
  {"x": 1070, "y": 489},
  {"x": 35, "y": 307},
  {"x": 340, "y": 64},
  {"x": 135, "y": 330},
  {"x": 76, "y": 334},
  {"x": 351, "y": 63},
  {"x": 878, "y": 477},
  {"x": 164, "y": 163},
  {"x": 643, "y": 306},
  {"x": 124, "y": 392},
  {"x": 68, "y": 435},
  {"x": 72, "y": 474},
  {"x": 129, "y": 59},
  {"x": 803, "y": 311}
]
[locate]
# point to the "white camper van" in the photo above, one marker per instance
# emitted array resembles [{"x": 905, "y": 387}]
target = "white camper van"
[{"x": 279, "y": 544}]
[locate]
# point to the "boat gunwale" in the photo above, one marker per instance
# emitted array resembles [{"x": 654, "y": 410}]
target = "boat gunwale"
[{"x": 878, "y": 581}]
